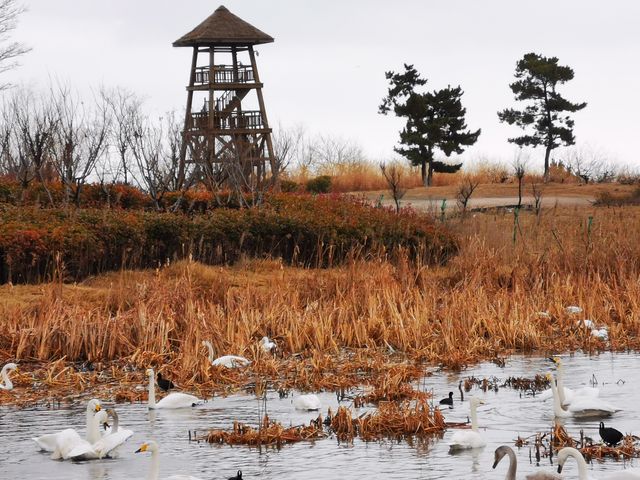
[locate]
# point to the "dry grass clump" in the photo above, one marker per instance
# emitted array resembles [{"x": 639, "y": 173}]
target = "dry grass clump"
[
  {"x": 395, "y": 420},
  {"x": 341, "y": 327},
  {"x": 270, "y": 433}
]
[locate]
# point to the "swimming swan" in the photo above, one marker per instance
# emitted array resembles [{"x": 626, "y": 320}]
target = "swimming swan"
[
  {"x": 6, "y": 381},
  {"x": 107, "y": 445},
  {"x": 310, "y": 401},
  {"x": 154, "y": 471},
  {"x": 173, "y": 400},
  {"x": 228, "y": 361},
  {"x": 70, "y": 445},
  {"x": 565, "y": 453},
  {"x": 513, "y": 465},
  {"x": 586, "y": 407},
  {"x": 49, "y": 442},
  {"x": 566, "y": 394},
  {"x": 466, "y": 439}
]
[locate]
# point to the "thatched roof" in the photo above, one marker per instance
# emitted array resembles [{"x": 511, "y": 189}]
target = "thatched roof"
[{"x": 223, "y": 28}]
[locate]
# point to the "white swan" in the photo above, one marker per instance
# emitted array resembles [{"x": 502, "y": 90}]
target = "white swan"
[
  {"x": 585, "y": 407},
  {"x": 228, "y": 361},
  {"x": 309, "y": 401},
  {"x": 49, "y": 442},
  {"x": 173, "y": 400},
  {"x": 6, "y": 381},
  {"x": 566, "y": 394},
  {"x": 466, "y": 439},
  {"x": 70, "y": 445},
  {"x": 565, "y": 453},
  {"x": 106, "y": 445},
  {"x": 154, "y": 471},
  {"x": 267, "y": 344},
  {"x": 513, "y": 465}
]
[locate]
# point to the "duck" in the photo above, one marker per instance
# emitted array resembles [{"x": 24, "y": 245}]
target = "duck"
[
  {"x": 610, "y": 435},
  {"x": 309, "y": 401},
  {"x": 567, "y": 395},
  {"x": 164, "y": 383},
  {"x": 6, "y": 381},
  {"x": 154, "y": 471},
  {"x": 171, "y": 401},
  {"x": 49, "y": 442},
  {"x": 586, "y": 407},
  {"x": 227, "y": 361},
  {"x": 504, "y": 450},
  {"x": 238, "y": 476},
  {"x": 448, "y": 400},
  {"x": 565, "y": 453},
  {"x": 468, "y": 439},
  {"x": 268, "y": 345}
]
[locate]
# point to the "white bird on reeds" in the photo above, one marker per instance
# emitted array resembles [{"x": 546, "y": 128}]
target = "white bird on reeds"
[
  {"x": 6, "y": 381},
  {"x": 49, "y": 442},
  {"x": 582, "y": 407},
  {"x": 468, "y": 439},
  {"x": 573, "y": 310},
  {"x": 154, "y": 471},
  {"x": 171, "y": 401},
  {"x": 227, "y": 361},
  {"x": 504, "y": 450},
  {"x": 309, "y": 401},
  {"x": 601, "y": 333},
  {"x": 267, "y": 345},
  {"x": 565, "y": 394},
  {"x": 565, "y": 453}
]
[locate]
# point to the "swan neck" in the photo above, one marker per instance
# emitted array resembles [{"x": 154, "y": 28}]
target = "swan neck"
[
  {"x": 212, "y": 354},
  {"x": 152, "y": 390},
  {"x": 582, "y": 465},
  {"x": 557, "y": 405},
  {"x": 474, "y": 418},
  {"x": 513, "y": 465},
  {"x": 154, "y": 471},
  {"x": 114, "y": 428},
  {"x": 93, "y": 429},
  {"x": 560, "y": 379}
]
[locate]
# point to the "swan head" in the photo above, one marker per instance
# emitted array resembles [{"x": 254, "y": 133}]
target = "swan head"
[
  {"x": 149, "y": 446},
  {"x": 565, "y": 453},
  {"x": 112, "y": 413},
  {"x": 499, "y": 454},
  {"x": 101, "y": 418},
  {"x": 94, "y": 406},
  {"x": 549, "y": 377},
  {"x": 475, "y": 401},
  {"x": 149, "y": 372}
]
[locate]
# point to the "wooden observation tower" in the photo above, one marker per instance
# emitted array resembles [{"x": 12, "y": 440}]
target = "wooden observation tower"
[{"x": 226, "y": 131}]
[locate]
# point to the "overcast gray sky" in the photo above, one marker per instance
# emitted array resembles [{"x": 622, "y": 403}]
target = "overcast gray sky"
[{"x": 326, "y": 67}]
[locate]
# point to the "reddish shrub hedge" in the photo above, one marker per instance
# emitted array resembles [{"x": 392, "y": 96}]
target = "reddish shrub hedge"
[{"x": 301, "y": 229}]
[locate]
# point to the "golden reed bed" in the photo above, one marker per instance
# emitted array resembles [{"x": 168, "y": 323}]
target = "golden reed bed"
[{"x": 370, "y": 322}]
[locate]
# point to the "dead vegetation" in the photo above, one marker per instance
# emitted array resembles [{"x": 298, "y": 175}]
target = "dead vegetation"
[{"x": 372, "y": 324}]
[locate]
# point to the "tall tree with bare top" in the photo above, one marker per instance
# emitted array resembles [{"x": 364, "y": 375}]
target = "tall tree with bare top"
[{"x": 547, "y": 113}]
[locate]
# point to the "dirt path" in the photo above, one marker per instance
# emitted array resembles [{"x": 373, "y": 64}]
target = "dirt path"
[{"x": 434, "y": 203}]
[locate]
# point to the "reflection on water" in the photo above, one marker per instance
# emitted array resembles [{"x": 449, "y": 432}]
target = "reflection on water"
[{"x": 506, "y": 415}]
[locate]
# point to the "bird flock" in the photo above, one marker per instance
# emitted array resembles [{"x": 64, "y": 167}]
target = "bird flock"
[
  {"x": 579, "y": 403},
  {"x": 103, "y": 440}
]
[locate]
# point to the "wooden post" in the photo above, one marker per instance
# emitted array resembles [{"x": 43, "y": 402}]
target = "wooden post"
[{"x": 187, "y": 118}]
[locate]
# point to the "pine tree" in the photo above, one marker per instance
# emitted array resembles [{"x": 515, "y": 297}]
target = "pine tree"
[
  {"x": 434, "y": 121},
  {"x": 537, "y": 80}
]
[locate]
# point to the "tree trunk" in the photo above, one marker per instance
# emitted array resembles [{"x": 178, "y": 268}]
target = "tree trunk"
[
  {"x": 546, "y": 164},
  {"x": 430, "y": 175},
  {"x": 425, "y": 181}
]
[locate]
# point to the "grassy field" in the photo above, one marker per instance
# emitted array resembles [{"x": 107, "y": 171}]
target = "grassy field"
[{"x": 367, "y": 322}]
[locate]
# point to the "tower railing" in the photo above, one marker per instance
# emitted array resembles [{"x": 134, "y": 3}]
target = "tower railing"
[
  {"x": 245, "y": 120},
  {"x": 224, "y": 74}
]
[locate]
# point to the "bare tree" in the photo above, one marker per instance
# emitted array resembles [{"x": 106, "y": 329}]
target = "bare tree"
[
  {"x": 34, "y": 127},
  {"x": 10, "y": 10},
  {"x": 519, "y": 170},
  {"x": 80, "y": 140},
  {"x": 287, "y": 146},
  {"x": 465, "y": 190},
  {"x": 125, "y": 107},
  {"x": 393, "y": 176},
  {"x": 537, "y": 191}
]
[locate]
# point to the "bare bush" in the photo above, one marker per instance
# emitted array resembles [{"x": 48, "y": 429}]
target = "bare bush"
[
  {"x": 465, "y": 190},
  {"x": 392, "y": 174}
]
